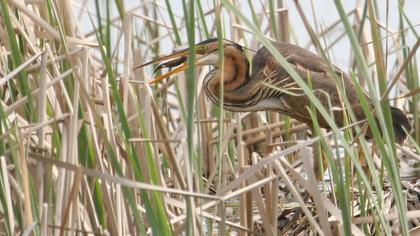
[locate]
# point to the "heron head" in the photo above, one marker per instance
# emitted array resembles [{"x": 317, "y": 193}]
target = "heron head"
[{"x": 206, "y": 53}]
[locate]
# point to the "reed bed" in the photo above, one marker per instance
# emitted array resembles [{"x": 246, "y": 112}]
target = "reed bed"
[{"x": 88, "y": 147}]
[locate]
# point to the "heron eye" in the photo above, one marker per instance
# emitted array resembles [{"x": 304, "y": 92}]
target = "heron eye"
[{"x": 204, "y": 47}]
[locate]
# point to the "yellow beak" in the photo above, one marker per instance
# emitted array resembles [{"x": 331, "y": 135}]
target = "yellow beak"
[
  {"x": 171, "y": 60},
  {"x": 172, "y": 72}
]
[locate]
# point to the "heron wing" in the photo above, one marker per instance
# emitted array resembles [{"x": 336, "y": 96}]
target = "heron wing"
[{"x": 311, "y": 68}]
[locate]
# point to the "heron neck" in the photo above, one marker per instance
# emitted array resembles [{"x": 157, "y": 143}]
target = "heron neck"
[{"x": 235, "y": 75}]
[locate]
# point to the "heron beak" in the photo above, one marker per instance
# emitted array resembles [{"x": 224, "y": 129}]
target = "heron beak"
[
  {"x": 172, "y": 72},
  {"x": 169, "y": 61},
  {"x": 201, "y": 60}
]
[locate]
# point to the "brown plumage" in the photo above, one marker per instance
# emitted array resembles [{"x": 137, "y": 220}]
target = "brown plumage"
[{"x": 270, "y": 87}]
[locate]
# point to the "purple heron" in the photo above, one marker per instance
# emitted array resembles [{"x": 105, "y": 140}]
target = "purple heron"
[{"x": 269, "y": 87}]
